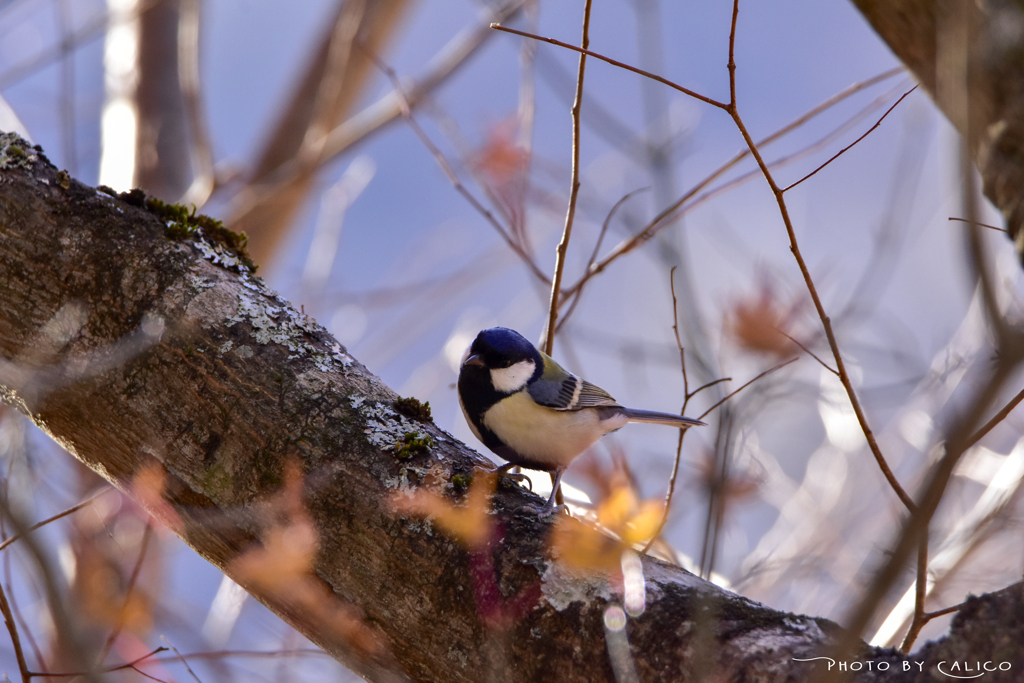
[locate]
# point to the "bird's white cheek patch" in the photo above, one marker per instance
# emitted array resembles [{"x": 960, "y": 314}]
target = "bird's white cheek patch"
[{"x": 513, "y": 378}]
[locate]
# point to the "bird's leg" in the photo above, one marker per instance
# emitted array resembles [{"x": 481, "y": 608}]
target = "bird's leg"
[
  {"x": 518, "y": 477},
  {"x": 550, "y": 508}
]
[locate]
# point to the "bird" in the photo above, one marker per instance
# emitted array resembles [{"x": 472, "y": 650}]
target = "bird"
[{"x": 532, "y": 413}]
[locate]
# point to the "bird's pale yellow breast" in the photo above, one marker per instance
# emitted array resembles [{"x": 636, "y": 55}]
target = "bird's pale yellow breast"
[{"x": 543, "y": 434}]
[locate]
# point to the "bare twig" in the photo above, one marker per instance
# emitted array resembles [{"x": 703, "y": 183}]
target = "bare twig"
[
  {"x": 687, "y": 396},
  {"x": 947, "y": 610},
  {"x": 809, "y": 353},
  {"x": 149, "y": 676},
  {"x": 682, "y": 432},
  {"x": 679, "y": 341},
  {"x": 71, "y": 510},
  {"x": 574, "y": 187},
  {"x": 745, "y": 385},
  {"x": 26, "y": 631},
  {"x": 258, "y": 654},
  {"x": 710, "y": 384},
  {"x": 453, "y": 177},
  {"x": 826, "y": 322},
  {"x": 920, "y": 594},
  {"x": 680, "y": 206},
  {"x": 12, "y": 628},
  {"x": 593, "y": 256},
  {"x": 996, "y": 419},
  {"x": 613, "y": 62},
  {"x": 121, "y": 667},
  {"x": 147, "y": 534},
  {"x": 570, "y": 214},
  {"x": 183, "y": 661},
  {"x": 1009, "y": 354},
  {"x": 980, "y": 225},
  {"x": 849, "y": 146}
]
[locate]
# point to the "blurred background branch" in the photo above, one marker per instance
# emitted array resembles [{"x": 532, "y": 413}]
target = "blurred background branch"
[{"x": 990, "y": 113}]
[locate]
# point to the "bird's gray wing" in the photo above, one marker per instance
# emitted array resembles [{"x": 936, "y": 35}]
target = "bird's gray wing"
[
  {"x": 571, "y": 393},
  {"x": 558, "y": 393},
  {"x": 559, "y": 389},
  {"x": 592, "y": 396}
]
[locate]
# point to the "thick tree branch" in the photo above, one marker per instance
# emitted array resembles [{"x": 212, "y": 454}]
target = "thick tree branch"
[{"x": 139, "y": 352}]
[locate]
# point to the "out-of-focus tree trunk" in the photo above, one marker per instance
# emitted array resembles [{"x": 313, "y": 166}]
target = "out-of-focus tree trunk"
[
  {"x": 968, "y": 54},
  {"x": 162, "y": 160},
  {"x": 332, "y": 83}
]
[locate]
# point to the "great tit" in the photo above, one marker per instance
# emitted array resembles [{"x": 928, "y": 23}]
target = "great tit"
[{"x": 523, "y": 406}]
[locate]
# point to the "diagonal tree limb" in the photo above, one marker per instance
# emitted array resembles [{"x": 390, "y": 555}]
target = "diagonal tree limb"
[{"x": 239, "y": 382}]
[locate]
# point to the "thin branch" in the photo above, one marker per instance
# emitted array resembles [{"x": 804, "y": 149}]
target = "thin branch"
[
  {"x": 682, "y": 432},
  {"x": 20, "y": 620},
  {"x": 570, "y": 214},
  {"x": 449, "y": 172},
  {"x": 121, "y": 667},
  {"x": 147, "y": 534},
  {"x": 680, "y": 207},
  {"x": 12, "y": 628},
  {"x": 809, "y": 353},
  {"x": 826, "y": 322},
  {"x": 1009, "y": 353},
  {"x": 732, "y": 110},
  {"x": 679, "y": 342},
  {"x": 71, "y": 510},
  {"x": 948, "y": 610},
  {"x": 980, "y": 225},
  {"x": 62, "y": 620},
  {"x": 920, "y": 595},
  {"x": 183, "y": 661},
  {"x": 709, "y": 385},
  {"x": 613, "y": 62},
  {"x": 222, "y": 654},
  {"x": 996, "y": 419},
  {"x": 593, "y": 255},
  {"x": 736, "y": 391},
  {"x": 146, "y": 675},
  {"x": 849, "y": 146}
]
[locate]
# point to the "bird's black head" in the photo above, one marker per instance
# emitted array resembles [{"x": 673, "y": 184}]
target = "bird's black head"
[
  {"x": 500, "y": 362},
  {"x": 500, "y": 347}
]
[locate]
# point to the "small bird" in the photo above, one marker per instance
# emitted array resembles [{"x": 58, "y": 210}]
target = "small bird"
[{"x": 523, "y": 406}]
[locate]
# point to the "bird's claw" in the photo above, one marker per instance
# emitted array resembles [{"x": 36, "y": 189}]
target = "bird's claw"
[
  {"x": 546, "y": 511},
  {"x": 542, "y": 512},
  {"x": 520, "y": 478},
  {"x": 517, "y": 477}
]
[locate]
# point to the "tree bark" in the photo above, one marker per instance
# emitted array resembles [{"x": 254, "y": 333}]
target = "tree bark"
[
  {"x": 968, "y": 55},
  {"x": 138, "y": 351}
]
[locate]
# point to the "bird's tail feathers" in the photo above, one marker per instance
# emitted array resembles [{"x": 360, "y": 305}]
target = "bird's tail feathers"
[{"x": 653, "y": 417}]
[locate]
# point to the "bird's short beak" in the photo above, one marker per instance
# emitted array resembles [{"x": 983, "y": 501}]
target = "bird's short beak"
[{"x": 474, "y": 360}]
